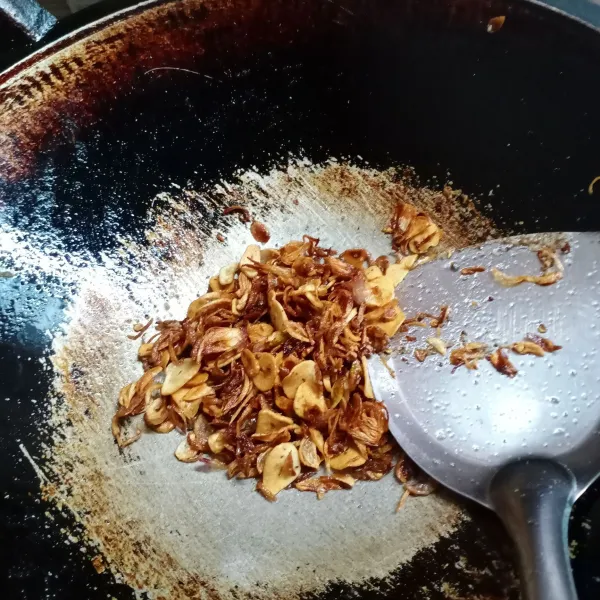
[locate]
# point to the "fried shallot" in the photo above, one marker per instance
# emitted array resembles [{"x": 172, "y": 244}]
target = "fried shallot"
[
  {"x": 267, "y": 373},
  {"x": 412, "y": 230}
]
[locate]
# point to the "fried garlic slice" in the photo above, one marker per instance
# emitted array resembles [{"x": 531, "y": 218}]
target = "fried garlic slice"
[
  {"x": 301, "y": 373},
  {"x": 178, "y": 374},
  {"x": 280, "y": 468}
]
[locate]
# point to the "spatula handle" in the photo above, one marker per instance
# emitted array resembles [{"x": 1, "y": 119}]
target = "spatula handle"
[{"x": 534, "y": 498}]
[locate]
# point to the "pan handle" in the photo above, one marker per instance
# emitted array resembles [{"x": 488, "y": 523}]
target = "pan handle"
[
  {"x": 28, "y": 16},
  {"x": 534, "y": 499}
]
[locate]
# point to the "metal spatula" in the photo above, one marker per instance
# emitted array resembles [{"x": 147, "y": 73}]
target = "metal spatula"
[{"x": 526, "y": 446}]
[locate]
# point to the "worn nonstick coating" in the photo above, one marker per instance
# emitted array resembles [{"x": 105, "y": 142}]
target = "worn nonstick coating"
[{"x": 392, "y": 81}]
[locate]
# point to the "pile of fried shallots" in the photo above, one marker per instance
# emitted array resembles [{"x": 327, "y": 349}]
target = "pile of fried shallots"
[{"x": 267, "y": 374}]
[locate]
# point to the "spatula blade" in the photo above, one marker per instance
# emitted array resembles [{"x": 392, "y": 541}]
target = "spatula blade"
[{"x": 461, "y": 425}]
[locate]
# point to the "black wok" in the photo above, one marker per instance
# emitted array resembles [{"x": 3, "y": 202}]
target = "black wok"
[{"x": 92, "y": 127}]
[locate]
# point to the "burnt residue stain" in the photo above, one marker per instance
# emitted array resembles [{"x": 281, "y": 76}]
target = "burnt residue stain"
[
  {"x": 78, "y": 81},
  {"x": 309, "y": 75},
  {"x": 477, "y": 564}
]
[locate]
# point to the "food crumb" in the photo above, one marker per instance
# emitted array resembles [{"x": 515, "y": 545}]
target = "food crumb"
[
  {"x": 472, "y": 270},
  {"x": 495, "y": 24},
  {"x": 403, "y": 499},
  {"x": 237, "y": 208},
  {"x": 573, "y": 549},
  {"x": 501, "y": 363},
  {"x": 544, "y": 343},
  {"x": 468, "y": 355},
  {"x": 422, "y": 353},
  {"x": 98, "y": 564},
  {"x": 220, "y": 237},
  {"x": 542, "y": 328},
  {"x": 260, "y": 232},
  {"x": 438, "y": 345},
  {"x": 592, "y": 184}
]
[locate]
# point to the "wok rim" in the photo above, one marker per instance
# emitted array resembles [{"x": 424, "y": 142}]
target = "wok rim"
[{"x": 80, "y": 25}]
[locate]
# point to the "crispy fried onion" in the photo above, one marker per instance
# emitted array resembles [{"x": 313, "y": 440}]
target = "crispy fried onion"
[
  {"x": 415, "y": 482},
  {"x": 468, "y": 355},
  {"x": 267, "y": 374},
  {"x": 544, "y": 343},
  {"x": 413, "y": 232},
  {"x": 244, "y": 212},
  {"x": 322, "y": 485},
  {"x": 501, "y": 363},
  {"x": 552, "y": 271}
]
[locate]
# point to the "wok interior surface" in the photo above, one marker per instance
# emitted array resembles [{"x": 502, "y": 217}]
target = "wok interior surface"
[{"x": 97, "y": 127}]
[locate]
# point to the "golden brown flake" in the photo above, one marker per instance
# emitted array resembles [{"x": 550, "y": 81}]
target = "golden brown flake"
[
  {"x": 501, "y": 363},
  {"x": 413, "y": 232},
  {"x": 438, "y": 345},
  {"x": 422, "y": 353},
  {"x": 472, "y": 270},
  {"x": 415, "y": 481},
  {"x": 527, "y": 347},
  {"x": 98, "y": 564},
  {"x": 592, "y": 184},
  {"x": 552, "y": 271},
  {"x": 513, "y": 280},
  {"x": 468, "y": 355},
  {"x": 495, "y": 24},
  {"x": 544, "y": 343}
]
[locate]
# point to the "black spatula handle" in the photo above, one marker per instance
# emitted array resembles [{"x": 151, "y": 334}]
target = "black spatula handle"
[{"x": 534, "y": 498}]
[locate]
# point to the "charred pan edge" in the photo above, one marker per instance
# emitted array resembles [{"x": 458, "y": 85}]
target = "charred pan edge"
[{"x": 70, "y": 80}]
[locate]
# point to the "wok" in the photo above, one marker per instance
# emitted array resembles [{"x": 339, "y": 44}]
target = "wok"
[{"x": 93, "y": 128}]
